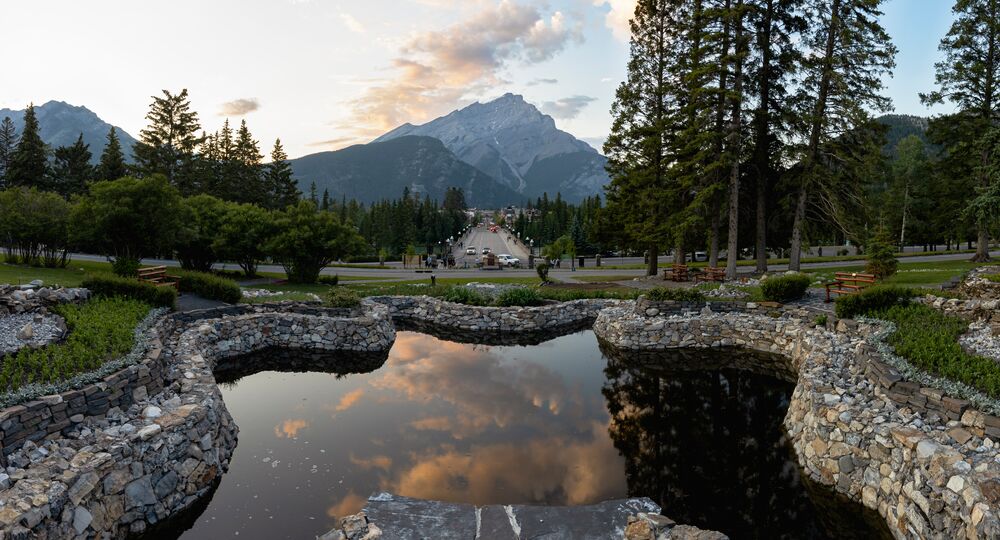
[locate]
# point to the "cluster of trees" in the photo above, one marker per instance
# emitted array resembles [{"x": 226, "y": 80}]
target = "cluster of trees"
[
  {"x": 748, "y": 123},
  {"x": 25, "y": 160},
  {"x": 545, "y": 221},
  {"x": 131, "y": 218}
]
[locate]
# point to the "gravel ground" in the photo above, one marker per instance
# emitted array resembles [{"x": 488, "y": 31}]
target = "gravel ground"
[
  {"x": 980, "y": 340},
  {"x": 45, "y": 329}
]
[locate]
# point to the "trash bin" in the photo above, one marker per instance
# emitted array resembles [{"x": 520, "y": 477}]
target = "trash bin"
[
  {"x": 580, "y": 261},
  {"x": 597, "y": 260}
]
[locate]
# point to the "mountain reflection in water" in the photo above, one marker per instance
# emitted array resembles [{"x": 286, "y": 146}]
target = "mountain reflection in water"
[{"x": 489, "y": 424}]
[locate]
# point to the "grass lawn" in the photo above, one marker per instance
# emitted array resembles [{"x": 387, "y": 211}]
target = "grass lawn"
[
  {"x": 915, "y": 274},
  {"x": 598, "y": 279},
  {"x": 71, "y": 276},
  {"x": 748, "y": 262}
]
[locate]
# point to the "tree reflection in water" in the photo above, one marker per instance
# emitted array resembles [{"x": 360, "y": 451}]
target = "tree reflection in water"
[{"x": 706, "y": 442}]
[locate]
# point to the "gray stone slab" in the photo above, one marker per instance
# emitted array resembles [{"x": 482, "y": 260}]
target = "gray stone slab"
[
  {"x": 403, "y": 518},
  {"x": 494, "y": 523},
  {"x": 593, "y": 522}
]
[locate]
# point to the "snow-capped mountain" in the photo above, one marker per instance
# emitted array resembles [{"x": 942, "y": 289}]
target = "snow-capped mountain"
[{"x": 513, "y": 142}]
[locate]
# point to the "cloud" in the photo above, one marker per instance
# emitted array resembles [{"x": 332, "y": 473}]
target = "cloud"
[
  {"x": 239, "y": 107},
  {"x": 618, "y": 16},
  {"x": 289, "y": 429},
  {"x": 537, "y": 82},
  {"x": 352, "y": 503},
  {"x": 437, "y": 71},
  {"x": 352, "y": 24},
  {"x": 335, "y": 143},
  {"x": 567, "y": 108},
  {"x": 349, "y": 399}
]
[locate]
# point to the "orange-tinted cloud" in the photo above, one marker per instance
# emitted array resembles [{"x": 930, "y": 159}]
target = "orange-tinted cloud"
[
  {"x": 440, "y": 70},
  {"x": 351, "y": 504},
  {"x": 373, "y": 462},
  {"x": 290, "y": 428},
  {"x": 349, "y": 399}
]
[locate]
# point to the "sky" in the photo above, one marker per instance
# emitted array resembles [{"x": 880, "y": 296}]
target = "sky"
[{"x": 325, "y": 74}]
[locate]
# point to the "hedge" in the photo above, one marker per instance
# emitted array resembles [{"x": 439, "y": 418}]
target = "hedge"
[
  {"x": 342, "y": 297},
  {"x": 208, "y": 285},
  {"x": 107, "y": 284},
  {"x": 872, "y": 300},
  {"x": 665, "y": 294},
  {"x": 784, "y": 288},
  {"x": 518, "y": 296}
]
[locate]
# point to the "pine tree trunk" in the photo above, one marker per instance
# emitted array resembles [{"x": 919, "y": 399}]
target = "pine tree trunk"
[
  {"x": 713, "y": 245},
  {"x": 762, "y": 164},
  {"x": 732, "y": 249},
  {"x": 761, "y": 245},
  {"x": 982, "y": 245},
  {"x": 651, "y": 263},
  {"x": 795, "y": 253}
]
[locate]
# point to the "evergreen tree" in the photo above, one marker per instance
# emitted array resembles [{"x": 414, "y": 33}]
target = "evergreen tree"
[
  {"x": 969, "y": 77},
  {"x": 247, "y": 181},
  {"x": 71, "y": 169},
  {"x": 8, "y": 143},
  {"x": 850, "y": 53},
  {"x": 29, "y": 165},
  {"x": 735, "y": 138},
  {"x": 325, "y": 204},
  {"x": 167, "y": 146},
  {"x": 112, "y": 165},
  {"x": 774, "y": 61},
  {"x": 642, "y": 113},
  {"x": 312, "y": 194},
  {"x": 282, "y": 188}
]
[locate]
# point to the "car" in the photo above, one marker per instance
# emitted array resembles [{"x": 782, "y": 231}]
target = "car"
[
  {"x": 507, "y": 260},
  {"x": 700, "y": 256},
  {"x": 470, "y": 250},
  {"x": 486, "y": 250}
]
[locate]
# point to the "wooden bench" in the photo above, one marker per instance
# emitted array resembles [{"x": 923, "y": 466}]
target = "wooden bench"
[
  {"x": 677, "y": 272},
  {"x": 849, "y": 283},
  {"x": 157, "y": 275},
  {"x": 712, "y": 273}
]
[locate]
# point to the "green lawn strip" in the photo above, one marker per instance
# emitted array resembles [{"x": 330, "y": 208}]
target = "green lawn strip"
[
  {"x": 609, "y": 265},
  {"x": 928, "y": 339},
  {"x": 909, "y": 274},
  {"x": 288, "y": 296},
  {"x": 605, "y": 278},
  {"x": 99, "y": 331},
  {"x": 71, "y": 276}
]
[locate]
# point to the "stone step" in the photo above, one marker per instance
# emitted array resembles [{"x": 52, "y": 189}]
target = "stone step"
[{"x": 404, "y": 518}]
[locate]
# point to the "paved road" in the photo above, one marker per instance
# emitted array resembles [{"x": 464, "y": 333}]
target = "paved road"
[
  {"x": 481, "y": 237},
  {"x": 500, "y": 245}
]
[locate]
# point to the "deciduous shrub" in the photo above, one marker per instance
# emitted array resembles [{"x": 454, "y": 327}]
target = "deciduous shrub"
[
  {"x": 107, "y": 284},
  {"x": 307, "y": 240},
  {"x": 99, "y": 331},
  {"x": 872, "y": 300},
  {"x": 543, "y": 271},
  {"x": 342, "y": 297},
  {"x": 208, "y": 285},
  {"x": 34, "y": 227},
  {"x": 518, "y": 296},
  {"x": 784, "y": 288},
  {"x": 881, "y": 256},
  {"x": 666, "y": 294},
  {"x": 329, "y": 280},
  {"x": 465, "y": 295}
]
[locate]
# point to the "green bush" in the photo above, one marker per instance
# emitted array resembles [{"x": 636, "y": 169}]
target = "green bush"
[
  {"x": 518, "y": 296},
  {"x": 543, "y": 271},
  {"x": 100, "y": 330},
  {"x": 329, "y": 280},
  {"x": 342, "y": 297},
  {"x": 106, "y": 284},
  {"x": 872, "y": 300},
  {"x": 881, "y": 256},
  {"x": 784, "y": 288},
  {"x": 929, "y": 340},
  {"x": 208, "y": 285},
  {"x": 464, "y": 295},
  {"x": 126, "y": 267},
  {"x": 665, "y": 294}
]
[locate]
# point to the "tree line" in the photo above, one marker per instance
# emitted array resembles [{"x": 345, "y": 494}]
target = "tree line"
[{"x": 749, "y": 125}]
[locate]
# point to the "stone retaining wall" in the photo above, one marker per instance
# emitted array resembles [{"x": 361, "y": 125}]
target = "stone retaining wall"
[
  {"x": 434, "y": 313},
  {"x": 976, "y": 286},
  {"x": 927, "y": 476},
  {"x": 29, "y": 298},
  {"x": 134, "y": 458}
]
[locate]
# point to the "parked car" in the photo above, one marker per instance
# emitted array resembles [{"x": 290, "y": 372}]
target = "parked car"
[
  {"x": 471, "y": 250},
  {"x": 700, "y": 256},
  {"x": 507, "y": 260}
]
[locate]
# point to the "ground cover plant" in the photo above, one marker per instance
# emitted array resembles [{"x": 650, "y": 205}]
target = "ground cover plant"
[
  {"x": 784, "y": 288},
  {"x": 108, "y": 284},
  {"x": 663, "y": 294},
  {"x": 342, "y": 297},
  {"x": 99, "y": 331}
]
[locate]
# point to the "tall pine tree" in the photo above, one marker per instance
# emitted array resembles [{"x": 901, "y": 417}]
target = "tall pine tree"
[
  {"x": 112, "y": 165},
  {"x": 282, "y": 188},
  {"x": 71, "y": 169},
  {"x": 850, "y": 52},
  {"x": 969, "y": 77},
  {"x": 167, "y": 146},
  {"x": 29, "y": 165},
  {"x": 8, "y": 142},
  {"x": 247, "y": 178}
]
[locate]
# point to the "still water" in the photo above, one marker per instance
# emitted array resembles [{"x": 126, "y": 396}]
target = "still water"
[{"x": 556, "y": 423}]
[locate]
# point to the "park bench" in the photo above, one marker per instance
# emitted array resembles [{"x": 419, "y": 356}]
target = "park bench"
[
  {"x": 677, "y": 272},
  {"x": 849, "y": 283},
  {"x": 712, "y": 273},
  {"x": 157, "y": 275}
]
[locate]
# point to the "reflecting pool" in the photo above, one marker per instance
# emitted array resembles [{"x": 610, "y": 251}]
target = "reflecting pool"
[{"x": 557, "y": 423}]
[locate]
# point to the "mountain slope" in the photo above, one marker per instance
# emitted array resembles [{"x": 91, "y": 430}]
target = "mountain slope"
[
  {"x": 60, "y": 124},
  {"x": 380, "y": 170},
  {"x": 513, "y": 142}
]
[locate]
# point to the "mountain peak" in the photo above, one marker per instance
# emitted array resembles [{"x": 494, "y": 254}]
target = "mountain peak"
[{"x": 60, "y": 124}]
